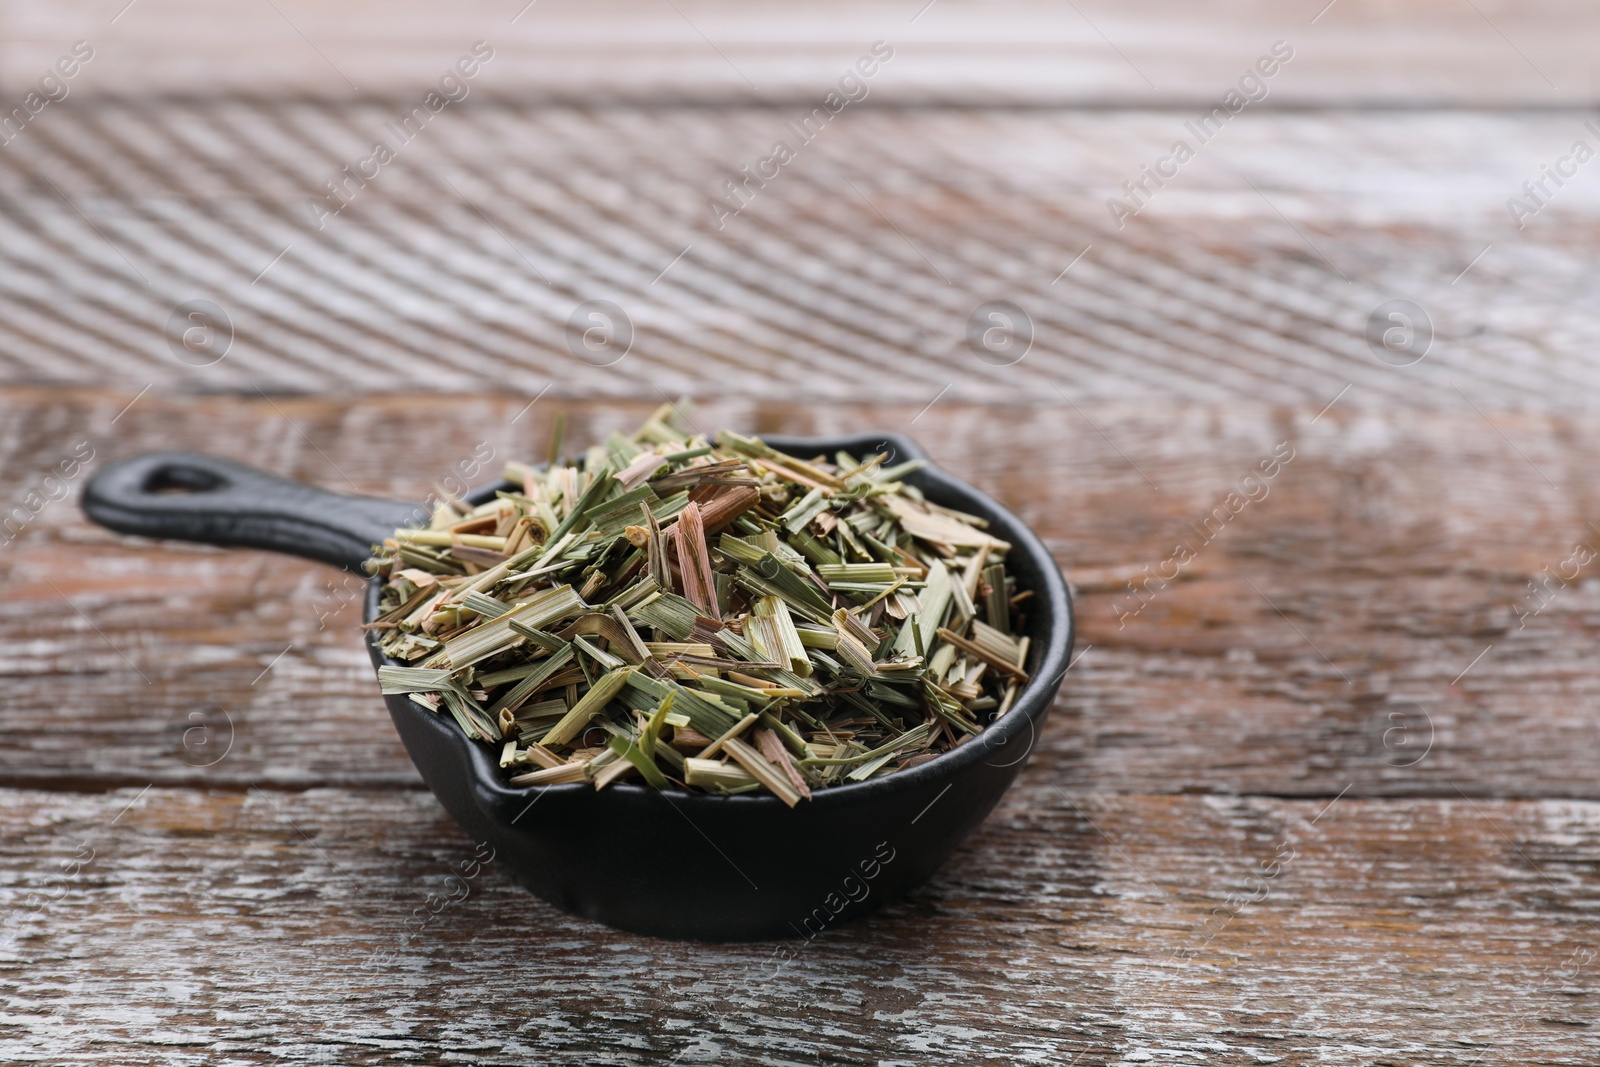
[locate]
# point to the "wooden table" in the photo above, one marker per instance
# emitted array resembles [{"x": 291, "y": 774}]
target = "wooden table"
[{"x": 1326, "y": 797}]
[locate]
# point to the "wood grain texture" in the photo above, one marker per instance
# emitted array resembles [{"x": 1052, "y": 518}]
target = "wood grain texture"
[
  {"x": 857, "y": 271},
  {"x": 288, "y": 928},
  {"x": 1321, "y": 640},
  {"x": 1092, "y": 52}
]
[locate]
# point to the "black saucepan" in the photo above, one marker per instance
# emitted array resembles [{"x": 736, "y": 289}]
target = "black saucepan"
[{"x": 654, "y": 862}]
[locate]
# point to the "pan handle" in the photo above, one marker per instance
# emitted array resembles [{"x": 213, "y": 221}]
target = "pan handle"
[{"x": 190, "y": 497}]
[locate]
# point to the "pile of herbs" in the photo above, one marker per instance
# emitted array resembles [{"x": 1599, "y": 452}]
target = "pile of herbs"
[{"x": 704, "y": 615}]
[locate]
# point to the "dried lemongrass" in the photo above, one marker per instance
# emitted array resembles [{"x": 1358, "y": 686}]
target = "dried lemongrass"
[
  {"x": 763, "y": 771},
  {"x": 694, "y": 563},
  {"x": 704, "y": 613}
]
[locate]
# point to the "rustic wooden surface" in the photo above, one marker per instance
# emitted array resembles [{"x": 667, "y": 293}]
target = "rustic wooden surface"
[
  {"x": 1328, "y": 798},
  {"x": 852, "y": 274},
  {"x": 1030, "y": 52}
]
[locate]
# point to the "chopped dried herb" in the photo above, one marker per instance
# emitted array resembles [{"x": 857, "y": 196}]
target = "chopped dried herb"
[{"x": 704, "y": 614}]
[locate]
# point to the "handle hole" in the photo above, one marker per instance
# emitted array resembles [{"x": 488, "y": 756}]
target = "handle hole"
[{"x": 176, "y": 481}]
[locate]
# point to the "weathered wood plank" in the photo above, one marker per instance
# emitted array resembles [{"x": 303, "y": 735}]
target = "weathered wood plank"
[
  {"x": 1094, "y": 53},
  {"x": 857, "y": 271},
  {"x": 283, "y": 927},
  {"x": 1397, "y": 547}
]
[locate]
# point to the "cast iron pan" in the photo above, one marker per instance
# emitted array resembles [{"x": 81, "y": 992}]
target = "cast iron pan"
[{"x": 669, "y": 864}]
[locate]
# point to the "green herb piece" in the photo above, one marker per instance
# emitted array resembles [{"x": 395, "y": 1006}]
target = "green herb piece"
[
  {"x": 605, "y": 659},
  {"x": 854, "y": 653},
  {"x": 585, "y": 709},
  {"x": 1003, "y": 663},
  {"x": 412, "y": 680},
  {"x": 643, "y": 764},
  {"x": 810, "y": 638},
  {"x": 731, "y": 734},
  {"x": 547, "y": 641},
  {"x": 706, "y": 712},
  {"x": 599, "y": 486},
  {"x": 996, "y": 602},
  {"x": 768, "y": 577},
  {"x": 669, "y": 613},
  {"x": 485, "y": 605},
  {"x": 855, "y": 573},
  {"x": 935, "y": 598},
  {"x": 734, "y": 691},
  {"x": 562, "y": 775},
  {"x": 759, "y": 768},
  {"x": 534, "y": 681},
  {"x": 717, "y": 775},
  {"x": 775, "y": 633},
  {"x": 537, "y": 612},
  {"x": 652, "y": 726}
]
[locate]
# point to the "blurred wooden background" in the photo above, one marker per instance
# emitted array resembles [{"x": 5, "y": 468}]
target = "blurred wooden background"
[
  {"x": 1406, "y": 53},
  {"x": 212, "y": 846}
]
